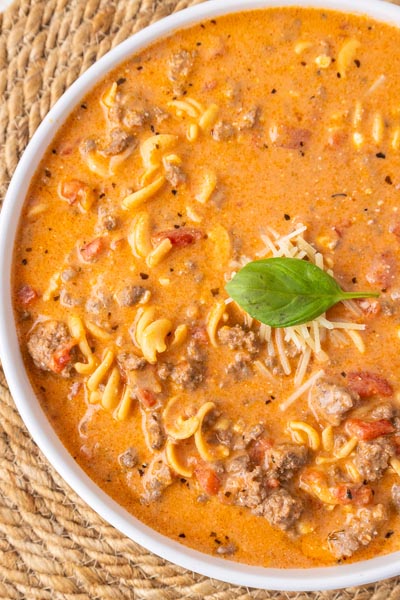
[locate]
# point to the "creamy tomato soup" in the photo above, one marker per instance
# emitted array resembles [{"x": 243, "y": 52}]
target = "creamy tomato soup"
[{"x": 262, "y": 134}]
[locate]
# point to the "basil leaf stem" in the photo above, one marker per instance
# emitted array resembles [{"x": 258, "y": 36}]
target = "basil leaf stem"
[{"x": 282, "y": 292}]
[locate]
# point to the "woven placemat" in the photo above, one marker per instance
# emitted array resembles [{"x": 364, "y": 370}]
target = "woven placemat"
[{"x": 52, "y": 546}]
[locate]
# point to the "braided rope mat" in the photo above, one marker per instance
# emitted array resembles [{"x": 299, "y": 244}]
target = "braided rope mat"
[{"x": 52, "y": 546}]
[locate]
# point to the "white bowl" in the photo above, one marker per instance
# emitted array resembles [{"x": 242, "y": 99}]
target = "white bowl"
[{"x": 276, "y": 579}]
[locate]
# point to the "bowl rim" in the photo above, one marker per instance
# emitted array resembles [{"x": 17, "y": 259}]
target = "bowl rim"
[{"x": 316, "y": 578}]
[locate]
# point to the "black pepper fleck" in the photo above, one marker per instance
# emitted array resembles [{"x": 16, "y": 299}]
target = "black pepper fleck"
[
  {"x": 84, "y": 106},
  {"x": 388, "y": 179},
  {"x": 182, "y": 535},
  {"x": 144, "y": 275},
  {"x": 121, "y": 80},
  {"x": 24, "y": 261},
  {"x": 286, "y": 217},
  {"x": 380, "y": 155},
  {"x": 389, "y": 534},
  {"x": 174, "y": 192}
]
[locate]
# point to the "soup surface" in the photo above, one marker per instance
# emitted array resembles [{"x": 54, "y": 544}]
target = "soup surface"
[{"x": 268, "y": 133}]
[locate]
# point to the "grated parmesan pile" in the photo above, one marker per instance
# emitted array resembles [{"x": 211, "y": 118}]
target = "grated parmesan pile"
[{"x": 306, "y": 339}]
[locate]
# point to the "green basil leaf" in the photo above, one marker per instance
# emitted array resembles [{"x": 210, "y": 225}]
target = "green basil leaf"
[{"x": 282, "y": 292}]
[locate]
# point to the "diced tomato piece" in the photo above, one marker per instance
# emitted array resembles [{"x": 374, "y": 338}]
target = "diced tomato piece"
[
  {"x": 367, "y": 384},
  {"x": 26, "y": 294},
  {"x": 343, "y": 493},
  {"x": 258, "y": 449},
  {"x": 368, "y": 430},
  {"x": 62, "y": 357},
  {"x": 207, "y": 478},
  {"x": 200, "y": 335},
  {"x": 90, "y": 251},
  {"x": 73, "y": 190},
  {"x": 363, "y": 495},
  {"x": 146, "y": 397},
  {"x": 179, "y": 237},
  {"x": 347, "y": 494}
]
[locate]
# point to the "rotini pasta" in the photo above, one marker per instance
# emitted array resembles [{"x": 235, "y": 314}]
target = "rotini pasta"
[
  {"x": 207, "y": 452},
  {"x": 180, "y": 335},
  {"x": 159, "y": 253},
  {"x": 311, "y": 433},
  {"x": 110, "y": 394},
  {"x": 184, "y": 107},
  {"x": 98, "y": 164},
  {"x": 99, "y": 374},
  {"x": 176, "y": 425},
  {"x": 213, "y": 319},
  {"x": 209, "y": 117},
  {"x": 150, "y": 334},
  {"x": 346, "y": 55},
  {"x": 123, "y": 408},
  {"x": 175, "y": 461},
  {"x": 152, "y": 149},
  {"x": 140, "y": 196},
  {"x": 207, "y": 187},
  {"x": 222, "y": 247},
  {"x": 327, "y": 438},
  {"x": 347, "y": 448},
  {"x": 98, "y": 332},
  {"x": 139, "y": 237},
  {"x": 78, "y": 332},
  {"x": 109, "y": 97},
  {"x": 53, "y": 287}
]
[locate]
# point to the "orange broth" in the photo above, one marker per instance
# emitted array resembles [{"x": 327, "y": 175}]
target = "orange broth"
[{"x": 305, "y": 130}]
